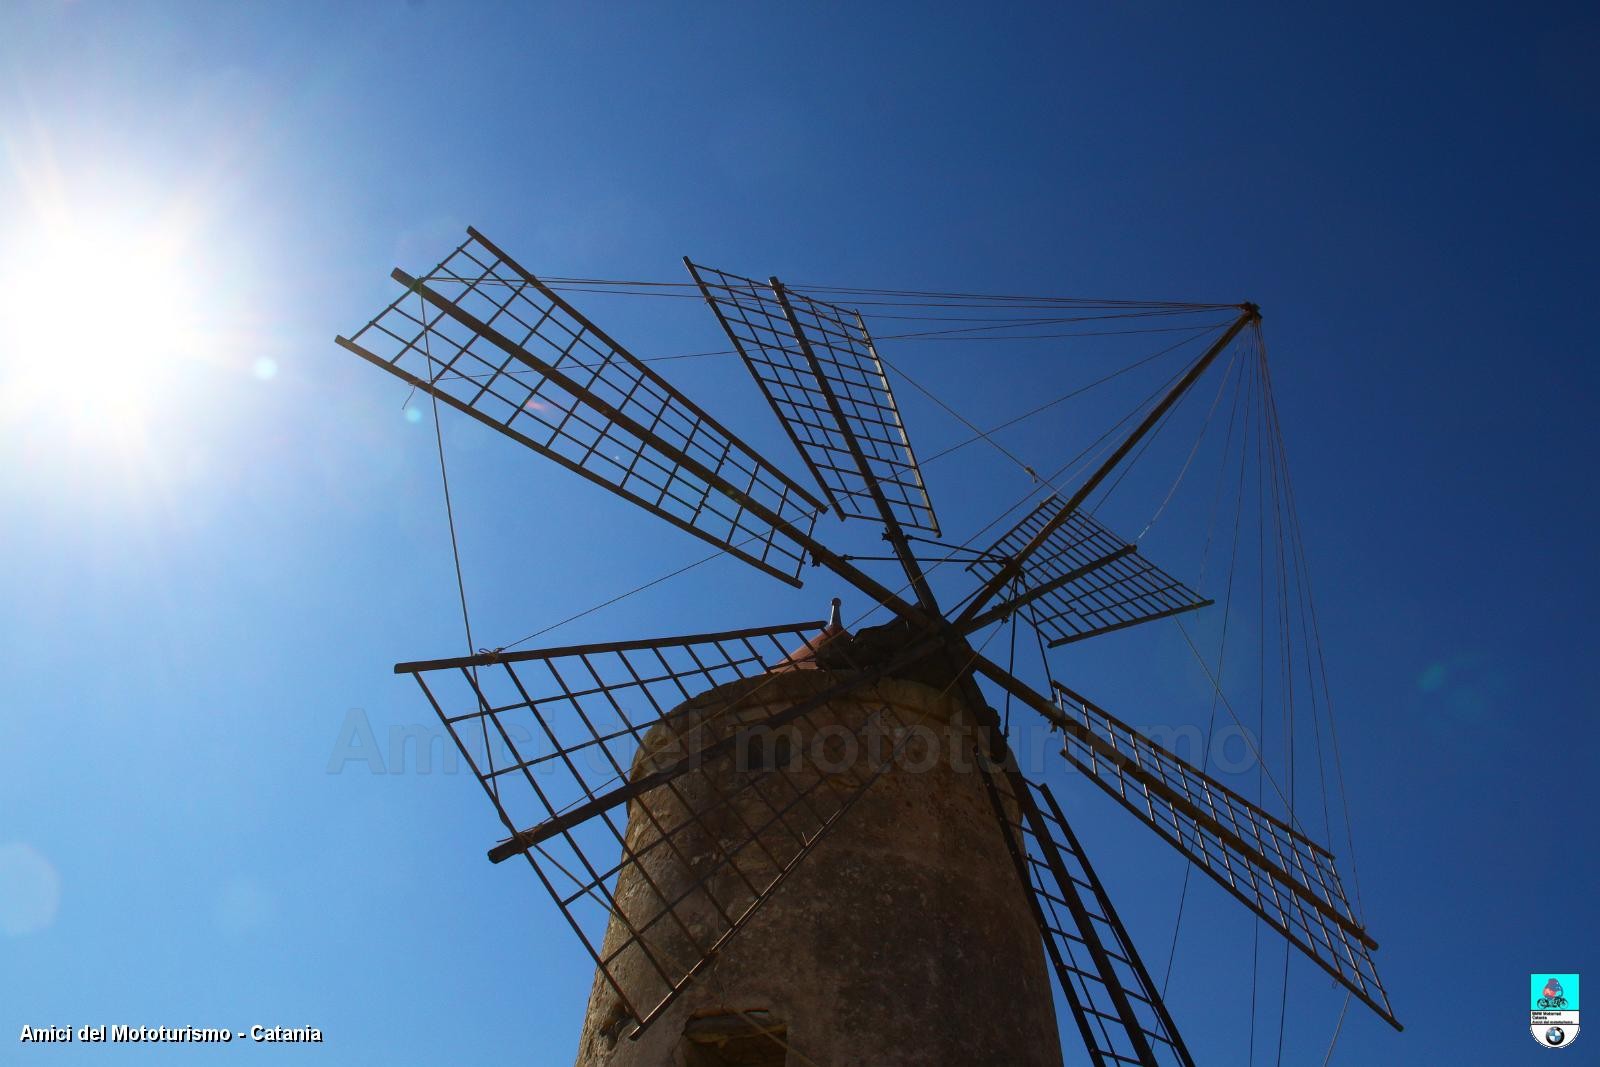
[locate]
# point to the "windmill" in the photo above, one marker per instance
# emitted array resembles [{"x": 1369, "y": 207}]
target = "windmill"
[{"x": 652, "y": 785}]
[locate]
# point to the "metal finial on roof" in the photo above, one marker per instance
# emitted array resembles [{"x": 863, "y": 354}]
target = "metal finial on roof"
[{"x": 833, "y": 614}]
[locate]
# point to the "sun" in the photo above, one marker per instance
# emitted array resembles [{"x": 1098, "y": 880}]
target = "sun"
[{"x": 97, "y": 318}]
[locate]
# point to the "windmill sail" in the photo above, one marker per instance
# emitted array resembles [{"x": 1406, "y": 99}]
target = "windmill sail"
[
  {"x": 486, "y": 337},
  {"x": 660, "y": 822},
  {"x": 1084, "y": 580},
  {"x": 1115, "y": 1004},
  {"x": 1277, "y": 872},
  {"x": 817, "y": 367}
]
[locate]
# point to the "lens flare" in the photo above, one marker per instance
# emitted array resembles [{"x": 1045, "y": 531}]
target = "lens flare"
[{"x": 30, "y": 890}]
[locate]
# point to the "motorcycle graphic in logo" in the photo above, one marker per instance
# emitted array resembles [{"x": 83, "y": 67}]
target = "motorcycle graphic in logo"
[
  {"x": 1553, "y": 1015},
  {"x": 1551, "y": 996}
]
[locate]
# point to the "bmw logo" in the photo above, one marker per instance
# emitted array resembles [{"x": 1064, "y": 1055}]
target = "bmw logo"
[{"x": 1555, "y": 1035}]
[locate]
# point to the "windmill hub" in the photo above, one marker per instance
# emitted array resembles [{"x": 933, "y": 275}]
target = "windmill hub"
[{"x": 876, "y": 647}]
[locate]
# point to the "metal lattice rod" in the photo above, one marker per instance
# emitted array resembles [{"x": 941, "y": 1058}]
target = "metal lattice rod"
[
  {"x": 716, "y": 813},
  {"x": 816, "y": 365},
  {"x": 1115, "y": 1004},
  {"x": 1281, "y": 875},
  {"x": 1018, "y": 562},
  {"x": 1270, "y": 867},
  {"x": 1083, "y": 580}
]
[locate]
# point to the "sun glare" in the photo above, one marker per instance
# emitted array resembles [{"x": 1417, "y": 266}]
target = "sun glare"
[{"x": 95, "y": 323}]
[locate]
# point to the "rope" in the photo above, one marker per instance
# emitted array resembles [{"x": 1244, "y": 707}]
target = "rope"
[
  {"x": 1301, "y": 589},
  {"x": 1286, "y": 679},
  {"x": 1048, "y": 481},
  {"x": 1255, "y": 968},
  {"x": 902, "y": 590},
  {"x": 1317, "y": 645},
  {"x": 1261, "y": 714},
  {"x": 1222, "y": 470},
  {"x": 968, "y": 423},
  {"x": 1327, "y": 1057},
  {"x": 455, "y": 545},
  {"x": 984, "y": 435},
  {"x": 926, "y": 335},
  {"x": 1090, "y": 452},
  {"x": 1283, "y": 1003},
  {"x": 911, "y": 297},
  {"x": 1011, "y": 663},
  {"x": 1199, "y": 439},
  {"x": 1222, "y": 652},
  {"x": 616, "y": 599},
  {"x": 1044, "y": 658}
]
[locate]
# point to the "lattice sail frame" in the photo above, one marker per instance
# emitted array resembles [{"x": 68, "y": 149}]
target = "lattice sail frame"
[
  {"x": 1118, "y": 1009},
  {"x": 597, "y": 762},
  {"x": 1276, "y": 871},
  {"x": 483, "y": 335},
  {"x": 817, "y": 367},
  {"x": 1104, "y": 584}
]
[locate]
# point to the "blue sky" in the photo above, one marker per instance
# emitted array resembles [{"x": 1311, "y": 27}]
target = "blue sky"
[{"x": 197, "y": 600}]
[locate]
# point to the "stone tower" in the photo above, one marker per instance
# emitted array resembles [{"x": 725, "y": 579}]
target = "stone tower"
[{"x": 903, "y": 938}]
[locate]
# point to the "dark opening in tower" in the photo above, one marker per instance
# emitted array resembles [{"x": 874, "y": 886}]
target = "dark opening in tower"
[{"x": 747, "y": 1039}]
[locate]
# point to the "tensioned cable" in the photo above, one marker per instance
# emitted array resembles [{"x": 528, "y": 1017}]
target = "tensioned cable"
[
  {"x": 1261, "y": 714},
  {"x": 1281, "y": 471},
  {"x": 1283, "y": 1004},
  {"x": 1222, "y": 652},
  {"x": 1286, "y": 678},
  {"x": 1011, "y": 664},
  {"x": 455, "y": 547},
  {"x": 1193, "y": 450},
  {"x": 935, "y": 297},
  {"x": 1144, "y": 446},
  {"x": 926, "y": 462},
  {"x": 1094, "y": 449},
  {"x": 986, "y": 435},
  {"x": 622, "y": 596},
  {"x": 1150, "y": 438},
  {"x": 1033, "y": 317},
  {"x": 1002, "y": 449},
  {"x": 991, "y": 339},
  {"x": 906, "y": 586},
  {"x": 1255, "y": 751},
  {"x": 518, "y": 375},
  {"x": 670, "y": 357},
  {"x": 948, "y": 299},
  {"x": 913, "y": 299},
  {"x": 1304, "y": 567},
  {"x": 1029, "y": 323},
  {"x": 1222, "y": 470},
  {"x": 1327, "y": 1057}
]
